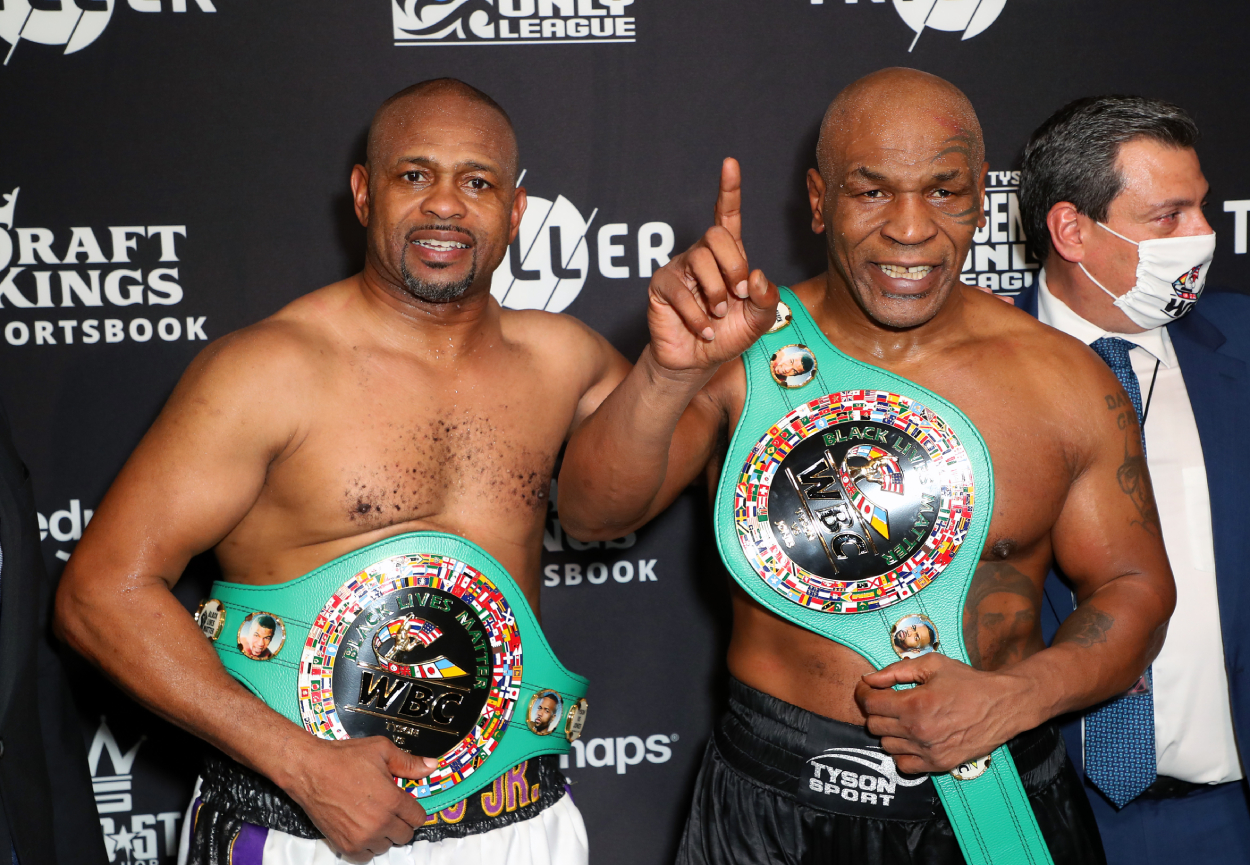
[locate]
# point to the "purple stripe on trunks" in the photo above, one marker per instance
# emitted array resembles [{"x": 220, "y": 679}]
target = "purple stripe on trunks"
[{"x": 248, "y": 847}]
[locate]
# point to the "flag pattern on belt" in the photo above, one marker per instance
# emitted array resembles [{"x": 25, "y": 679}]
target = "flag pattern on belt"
[
  {"x": 952, "y": 485},
  {"x": 325, "y": 646}
]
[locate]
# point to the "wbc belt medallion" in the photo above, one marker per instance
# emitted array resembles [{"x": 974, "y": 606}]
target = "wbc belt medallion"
[
  {"x": 423, "y": 649},
  {"x": 854, "y": 501}
]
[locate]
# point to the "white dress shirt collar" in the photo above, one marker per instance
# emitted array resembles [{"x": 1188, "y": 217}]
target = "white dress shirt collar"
[{"x": 1053, "y": 311}]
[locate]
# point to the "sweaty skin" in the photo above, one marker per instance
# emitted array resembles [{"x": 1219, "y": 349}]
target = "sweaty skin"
[
  {"x": 898, "y": 198},
  {"x": 358, "y": 412}
]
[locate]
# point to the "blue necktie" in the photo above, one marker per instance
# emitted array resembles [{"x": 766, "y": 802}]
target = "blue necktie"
[{"x": 1120, "y": 736}]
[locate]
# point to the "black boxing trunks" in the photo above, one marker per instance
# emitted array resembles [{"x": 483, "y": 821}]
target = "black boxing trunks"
[
  {"x": 237, "y": 810},
  {"x": 780, "y": 784}
]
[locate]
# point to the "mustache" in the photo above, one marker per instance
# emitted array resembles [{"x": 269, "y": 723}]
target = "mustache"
[{"x": 434, "y": 226}]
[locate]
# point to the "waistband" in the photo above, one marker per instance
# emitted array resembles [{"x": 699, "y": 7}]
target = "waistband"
[
  {"x": 423, "y": 638},
  {"x": 817, "y": 759},
  {"x": 231, "y": 796}
]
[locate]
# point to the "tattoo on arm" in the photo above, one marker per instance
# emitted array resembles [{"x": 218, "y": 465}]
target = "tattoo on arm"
[
  {"x": 1132, "y": 475},
  {"x": 1086, "y": 626},
  {"x": 1000, "y": 615}
]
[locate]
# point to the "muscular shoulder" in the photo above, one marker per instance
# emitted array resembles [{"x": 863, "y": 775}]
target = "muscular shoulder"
[
  {"x": 565, "y": 348},
  {"x": 1061, "y": 382}
]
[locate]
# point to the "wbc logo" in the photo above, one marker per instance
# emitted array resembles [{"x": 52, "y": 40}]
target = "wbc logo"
[{"x": 1185, "y": 284}]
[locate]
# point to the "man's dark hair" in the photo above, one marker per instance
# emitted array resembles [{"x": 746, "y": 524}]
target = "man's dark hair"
[
  {"x": 267, "y": 622},
  {"x": 1072, "y": 156}
]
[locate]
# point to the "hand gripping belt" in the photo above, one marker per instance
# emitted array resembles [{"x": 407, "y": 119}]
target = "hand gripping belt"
[{"x": 855, "y": 504}]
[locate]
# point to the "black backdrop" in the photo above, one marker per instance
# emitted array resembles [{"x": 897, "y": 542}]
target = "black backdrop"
[{"x": 183, "y": 166}]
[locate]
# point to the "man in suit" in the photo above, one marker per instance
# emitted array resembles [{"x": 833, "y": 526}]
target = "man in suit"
[
  {"x": 47, "y": 813},
  {"x": 1111, "y": 193}
]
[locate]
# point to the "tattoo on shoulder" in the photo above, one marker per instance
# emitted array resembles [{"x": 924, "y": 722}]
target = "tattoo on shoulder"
[
  {"x": 1134, "y": 480},
  {"x": 1085, "y": 627}
]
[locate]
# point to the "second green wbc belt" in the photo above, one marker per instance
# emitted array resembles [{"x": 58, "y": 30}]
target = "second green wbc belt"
[
  {"x": 423, "y": 638},
  {"x": 855, "y": 503}
]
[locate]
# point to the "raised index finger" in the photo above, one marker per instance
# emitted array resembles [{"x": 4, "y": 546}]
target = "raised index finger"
[{"x": 729, "y": 200}]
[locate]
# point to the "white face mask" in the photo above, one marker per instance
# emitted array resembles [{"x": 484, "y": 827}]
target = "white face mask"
[{"x": 1171, "y": 272}]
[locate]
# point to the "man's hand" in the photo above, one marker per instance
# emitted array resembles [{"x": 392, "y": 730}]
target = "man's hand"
[
  {"x": 954, "y": 714},
  {"x": 706, "y": 307},
  {"x": 348, "y": 789}
]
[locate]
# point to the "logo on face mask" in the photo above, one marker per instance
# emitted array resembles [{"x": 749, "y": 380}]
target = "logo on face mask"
[
  {"x": 510, "y": 22},
  {"x": 72, "y": 23},
  {"x": 1186, "y": 285}
]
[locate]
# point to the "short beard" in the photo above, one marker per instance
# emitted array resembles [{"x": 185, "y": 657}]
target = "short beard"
[{"x": 436, "y": 292}]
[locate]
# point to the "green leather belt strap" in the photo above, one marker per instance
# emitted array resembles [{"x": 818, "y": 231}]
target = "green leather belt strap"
[
  {"x": 855, "y": 504},
  {"x": 423, "y": 638}
]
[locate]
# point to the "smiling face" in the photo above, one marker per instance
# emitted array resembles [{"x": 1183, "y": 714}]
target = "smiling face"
[
  {"x": 259, "y": 641},
  {"x": 438, "y": 196},
  {"x": 898, "y": 195}
]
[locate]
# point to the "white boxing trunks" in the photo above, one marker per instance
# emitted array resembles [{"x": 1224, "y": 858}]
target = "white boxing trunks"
[{"x": 526, "y": 817}]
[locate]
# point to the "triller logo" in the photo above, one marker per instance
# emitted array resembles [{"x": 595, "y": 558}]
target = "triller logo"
[
  {"x": 72, "y": 23},
  {"x": 511, "y": 22},
  {"x": 547, "y": 265},
  {"x": 971, "y": 16}
]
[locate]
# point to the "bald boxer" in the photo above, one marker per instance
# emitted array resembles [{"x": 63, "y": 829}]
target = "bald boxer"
[
  {"x": 897, "y": 195},
  {"x": 400, "y": 399}
]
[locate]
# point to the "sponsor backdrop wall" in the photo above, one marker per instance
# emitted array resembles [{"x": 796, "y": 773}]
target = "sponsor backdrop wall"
[{"x": 171, "y": 170}]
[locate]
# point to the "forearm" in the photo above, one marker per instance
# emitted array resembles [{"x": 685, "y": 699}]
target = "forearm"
[
  {"x": 1099, "y": 651},
  {"x": 145, "y": 641},
  {"x": 626, "y": 461}
]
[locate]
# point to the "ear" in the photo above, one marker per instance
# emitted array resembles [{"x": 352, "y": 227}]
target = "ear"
[
  {"x": 360, "y": 193},
  {"x": 519, "y": 201},
  {"x": 816, "y": 198},
  {"x": 982, "y": 219},
  {"x": 1064, "y": 225}
]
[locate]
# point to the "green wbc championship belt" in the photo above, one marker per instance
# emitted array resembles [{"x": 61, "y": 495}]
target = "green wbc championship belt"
[
  {"x": 855, "y": 504},
  {"x": 423, "y": 638}
]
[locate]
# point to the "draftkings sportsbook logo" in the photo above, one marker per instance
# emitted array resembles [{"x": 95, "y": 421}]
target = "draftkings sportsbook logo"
[
  {"x": 72, "y": 23},
  {"x": 511, "y": 22},
  {"x": 91, "y": 286}
]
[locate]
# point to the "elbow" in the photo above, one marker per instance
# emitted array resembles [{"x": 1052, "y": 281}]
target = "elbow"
[{"x": 70, "y": 612}]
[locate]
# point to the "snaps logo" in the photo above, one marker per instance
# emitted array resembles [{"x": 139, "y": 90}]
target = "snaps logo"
[
  {"x": 511, "y": 22},
  {"x": 999, "y": 260},
  {"x": 879, "y": 788},
  {"x": 972, "y": 17},
  {"x": 143, "y": 839},
  {"x": 72, "y": 23},
  {"x": 620, "y": 752},
  {"x": 37, "y": 255},
  {"x": 548, "y": 263}
]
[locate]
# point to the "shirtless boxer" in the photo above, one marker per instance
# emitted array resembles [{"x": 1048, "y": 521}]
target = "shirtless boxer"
[
  {"x": 898, "y": 197},
  {"x": 403, "y": 398}
]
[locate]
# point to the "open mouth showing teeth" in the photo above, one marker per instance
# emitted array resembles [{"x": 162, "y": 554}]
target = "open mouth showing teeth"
[
  {"x": 920, "y": 271},
  {"x": 441, "y": 244}
]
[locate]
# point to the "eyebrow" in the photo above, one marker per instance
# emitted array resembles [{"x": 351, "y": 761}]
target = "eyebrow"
[
  {"x": 943, "y": 176},
  {"x": 470, "y": 164},
  {"x": 869, "y": 174}
]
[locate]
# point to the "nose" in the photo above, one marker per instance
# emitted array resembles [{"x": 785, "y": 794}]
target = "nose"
[
  {"x": 1199, "y": 224},
  {"x": 909, "y": 221},
  {"x": 443, "y": 201}
]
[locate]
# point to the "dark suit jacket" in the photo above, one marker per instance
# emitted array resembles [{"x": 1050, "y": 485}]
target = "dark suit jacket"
[
  {"x": 1213, "y": 360},
  {"x": 47, "y": 811}
]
